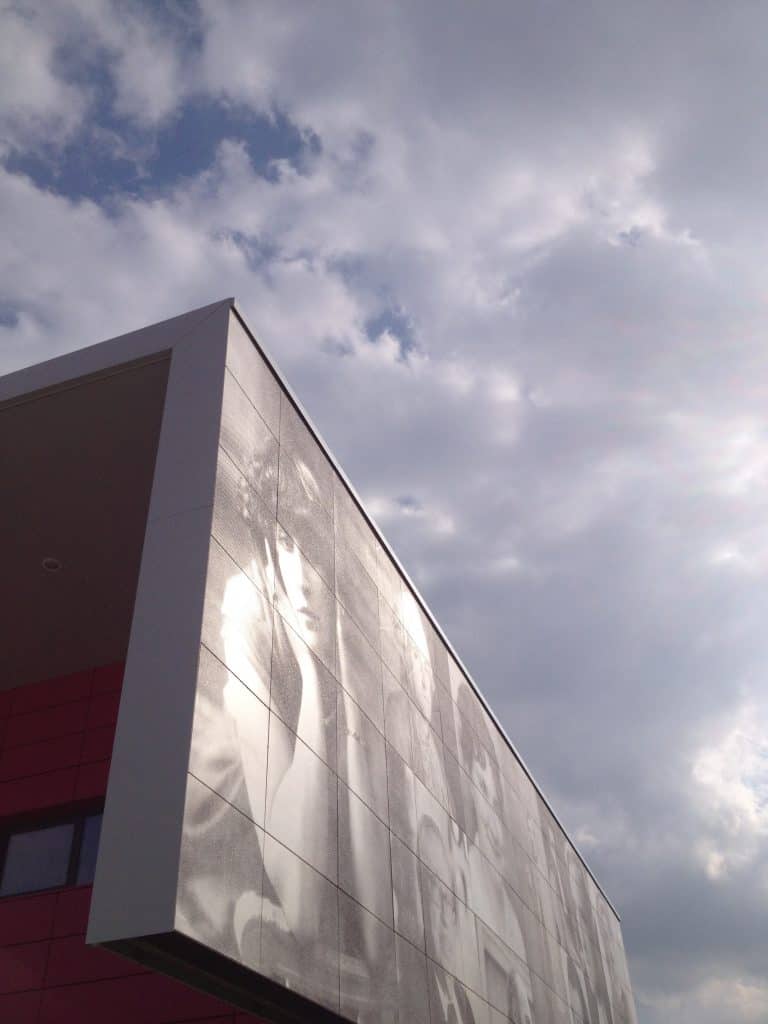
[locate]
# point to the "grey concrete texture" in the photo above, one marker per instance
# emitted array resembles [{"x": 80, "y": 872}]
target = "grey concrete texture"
[{"x": 434, "y": 838}]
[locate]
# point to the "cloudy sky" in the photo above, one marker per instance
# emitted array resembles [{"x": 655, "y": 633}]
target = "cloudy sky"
[{"x": 513, "y": 258}]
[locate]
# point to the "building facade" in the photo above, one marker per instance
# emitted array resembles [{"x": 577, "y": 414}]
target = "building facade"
[{"x": 244, "y": 775}]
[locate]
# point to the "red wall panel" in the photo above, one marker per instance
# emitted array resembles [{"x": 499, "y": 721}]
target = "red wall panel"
[
  {"x": 20, "y": 1007},
  {"x": 45, "y": 723},
  {"x": 37, "y": 758},
  {"x": 37, "y": 792},
  {"x": 55, "y": 746},
  {"x": 51, "y": 692},
  {"x": 28, "y": 919}
]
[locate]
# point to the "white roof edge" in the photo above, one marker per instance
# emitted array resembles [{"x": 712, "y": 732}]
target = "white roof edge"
[{"x": 99, "y": 356}]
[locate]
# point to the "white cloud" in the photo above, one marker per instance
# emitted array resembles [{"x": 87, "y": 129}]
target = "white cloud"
[
  {"x": 36, "y": 105},
  {"x": 731, "y": 1000},
  {"x": 731, "y": 774},
  {"x": 386, "y": 511}
]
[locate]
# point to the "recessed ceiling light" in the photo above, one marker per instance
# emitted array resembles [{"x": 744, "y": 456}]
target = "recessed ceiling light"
[{"x": 51, "y": 564}]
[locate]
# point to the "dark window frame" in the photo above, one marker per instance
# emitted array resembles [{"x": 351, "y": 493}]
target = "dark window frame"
[{"x": 37, "y": 823}]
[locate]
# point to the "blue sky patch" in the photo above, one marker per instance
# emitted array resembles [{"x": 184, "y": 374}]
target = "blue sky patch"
[
  {"x": 396, "y": 323},
  {"x": 9, "y": 315},
  {"x": 113, "y": 156}
]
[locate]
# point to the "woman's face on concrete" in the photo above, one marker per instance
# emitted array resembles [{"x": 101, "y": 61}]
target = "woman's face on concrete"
[{"x": 295, "y": 582}]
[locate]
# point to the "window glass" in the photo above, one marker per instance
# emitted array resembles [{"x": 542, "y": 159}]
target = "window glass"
[
  {"x": 37, "y": 860},
  {"x": 88, "y": 850}
]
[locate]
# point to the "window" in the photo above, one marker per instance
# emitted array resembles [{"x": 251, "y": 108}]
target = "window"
[{"x": 49, "y": 855}]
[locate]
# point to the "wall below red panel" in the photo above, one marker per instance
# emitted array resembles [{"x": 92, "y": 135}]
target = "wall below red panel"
[{"x": 55, "y": 746}]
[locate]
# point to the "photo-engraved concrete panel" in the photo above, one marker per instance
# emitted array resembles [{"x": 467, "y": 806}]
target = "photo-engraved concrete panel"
[
  {"x": 368, "y": 965},
  {"x": 237, "y": 622},
  {"x": 304, "y": 517},
  {"x": 299, "y": 947},
  {"x": 362, "y": 756},
  {"x": 302, "y": 810},
  {"x": 406, "y": 885},
  {"x": 253, "y": 374},
  {"x": 412, "y": 992},
  {"x": 401, "y": 788},
  {"x": 304, "y": 600},
  {"x": 249, "y": 442},
  {"x": 244, "y": 526},
  {"x": 298, "y": 444},
  {"x": 295, "y": 668},
  {"x": 229, "y": 738},
  {"x": 357, "y": 593},
  {"x": 358, "y": 667},
  {"x": 356, "y": 838},
  {"x": 352, "y": 531},
  {"x": 220, "y": 876},
  {"x": 365, "y": 870}
]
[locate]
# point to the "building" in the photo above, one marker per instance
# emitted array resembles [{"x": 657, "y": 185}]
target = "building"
[{"x": 309, "y": 812}]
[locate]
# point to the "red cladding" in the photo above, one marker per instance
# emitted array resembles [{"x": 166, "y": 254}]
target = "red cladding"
[
  {"x": 37, "y": 758},
  {"x": 38, "y": 792},
  {"x": 50, "y": 692},
  {"x": 72, "y": 907},
  {"x": 97, "y": 745},
  {"x": 26, "y": 919},
  {"x": 103, "y": 709},
  {"x": 108, "y": 677},
  {"x": 146, "y": 998},
  {"x": 22, "y": 967},
  {"x": 70, "y": 960},
  {"x": 6, "y": 699},
  {"x": 20, "y": 1007},
  {"x": 46, "y": 723},
  {"x": 92, "y": 780}
]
